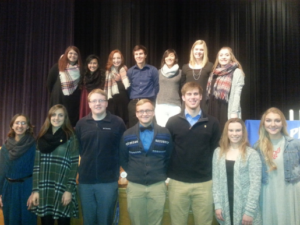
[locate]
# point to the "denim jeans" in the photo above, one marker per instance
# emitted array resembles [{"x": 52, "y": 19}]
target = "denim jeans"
[{"x": 98, "y": 202}]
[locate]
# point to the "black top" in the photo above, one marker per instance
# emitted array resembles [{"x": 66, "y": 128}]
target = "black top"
[{"x": 230, "y": 184}]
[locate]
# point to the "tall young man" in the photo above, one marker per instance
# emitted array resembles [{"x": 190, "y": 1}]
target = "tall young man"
[
  {"x": 143, "y": 80},
  {"x": 145, "y": 151},
  {"x": 99, "y": 135},
  {"x": 195, "y": 137}
]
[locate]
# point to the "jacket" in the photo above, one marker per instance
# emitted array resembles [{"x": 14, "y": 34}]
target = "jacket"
[
  {"x": 291, "y": 157},
  {"x": 146, "y": 167},
  {"x": 191, "y": 159},
  {"x": 99, "y": 148}
]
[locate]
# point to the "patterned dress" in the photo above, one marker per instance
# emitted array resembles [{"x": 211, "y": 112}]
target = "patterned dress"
[{"x": 53, "y": 174}]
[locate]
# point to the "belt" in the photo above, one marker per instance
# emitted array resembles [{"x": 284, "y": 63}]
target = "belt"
[{"x": 20, "y": 180}]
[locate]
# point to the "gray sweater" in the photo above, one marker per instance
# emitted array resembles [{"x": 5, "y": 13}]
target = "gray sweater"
[{"x": 169, "y": 89}]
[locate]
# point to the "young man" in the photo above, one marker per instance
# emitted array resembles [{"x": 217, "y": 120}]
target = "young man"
[
  {"x": 195, "y": 137},
  {"x": 143, "y": 80},
  {"x": 99, "y": 135},
  {"x": 144, "y": 154}
]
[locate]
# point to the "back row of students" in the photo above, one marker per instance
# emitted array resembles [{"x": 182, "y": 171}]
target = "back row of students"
[
  {"x": 222, "y": 83},
  {"x": 229, "y": 179}
]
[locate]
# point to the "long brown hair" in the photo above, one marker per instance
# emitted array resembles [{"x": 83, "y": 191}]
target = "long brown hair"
[
  {"x": 12, "y": 134},
  {"x": 232, "y": 57},
  {"x": 63, "y": 61},
  {"x": 225, "y": 142},
  {"x": 264, "y": 142},
  {"x": 109, "y": 63},
  {"x": 66, "y": 127}
]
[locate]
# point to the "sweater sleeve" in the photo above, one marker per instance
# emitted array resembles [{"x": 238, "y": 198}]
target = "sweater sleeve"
[
  {"x": 183, "y": 78},
  {"x": 216, "y": 134},
  {"x": 216, "y": 180},
  {"x": 72, "y": 172},
  {"x": 36, "y": 171},
  {"x": 52, "y": 77},
  {"x": 124, "y": 157},
  {"x": 255, "y": 183},
  {"x": 155, "y": 81},
  {"x": 238, "y": 83},
  {"x": 2, "y": 169}
]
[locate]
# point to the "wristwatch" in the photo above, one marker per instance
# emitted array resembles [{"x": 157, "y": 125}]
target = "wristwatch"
[{"x": 123, "y": 174}]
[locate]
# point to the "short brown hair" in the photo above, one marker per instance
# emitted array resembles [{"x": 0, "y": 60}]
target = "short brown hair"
[
  {"x": 98, "y": 91},
  {"x": 191, "y": 85},
  {"x": 143, "y": 101},
  {"x": 140, "y": 47}
]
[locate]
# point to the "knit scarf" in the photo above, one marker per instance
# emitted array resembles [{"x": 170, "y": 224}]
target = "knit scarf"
[
  {"x": 93, "y": 80},
  {"x": 169, "y": 72},
  {"x": 18, "y": 148},
  {"x": 69, "y": 79},
  {"x": 223, "y": 82},
  {"x": 111, "y": 86},
  {"x": 49, "y": 142}
]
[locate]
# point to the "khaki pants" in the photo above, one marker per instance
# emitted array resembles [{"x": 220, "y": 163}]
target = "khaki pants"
[
  {"x": 198, "y": 196},
  {"x": 145, "y": 204}
]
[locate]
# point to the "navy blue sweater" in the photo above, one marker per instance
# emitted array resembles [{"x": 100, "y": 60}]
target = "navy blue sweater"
[{"x": 145, "y": 167}]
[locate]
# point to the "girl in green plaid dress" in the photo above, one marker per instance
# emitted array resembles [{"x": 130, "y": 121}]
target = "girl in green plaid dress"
[{"x": 54, "y": 175}]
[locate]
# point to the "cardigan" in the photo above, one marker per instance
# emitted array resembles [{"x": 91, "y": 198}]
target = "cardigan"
[
  {"x": 191, "y": 158},
  {"x": 146, "y": 167},
  {"x": 234, "y": 106},
  {"x": 247, "y": 185},
  {"x": 53, "y": 174}
]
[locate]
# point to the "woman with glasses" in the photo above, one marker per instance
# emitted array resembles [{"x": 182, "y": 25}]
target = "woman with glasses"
[
  {"x": 55, "y": 168},
  {"x": 16, "y": 166},
  {"x": 116, "y": 85}
]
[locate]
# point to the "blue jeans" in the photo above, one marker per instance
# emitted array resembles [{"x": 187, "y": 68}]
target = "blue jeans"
[{"x": 98, "y": 202}]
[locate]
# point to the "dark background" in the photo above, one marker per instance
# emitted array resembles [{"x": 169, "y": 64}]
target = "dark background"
[{"x": 264, "y": 36}]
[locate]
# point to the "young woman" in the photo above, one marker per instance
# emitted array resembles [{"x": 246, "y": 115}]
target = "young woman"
[
  {"x": 16, "y": 166},
  {"x": 236, "y": 177},
  {"x": 116, "y": 85},
  {"x": 280, "y": 155},
  {"x": 92, "y": 79},
  {"x": 224, "y": 87},
  {"x": 63, "y": 82},
  {"x": 55, "y": 168},
  {"x": 198, "y": 69},
  {"x": 168, "y": 99}
]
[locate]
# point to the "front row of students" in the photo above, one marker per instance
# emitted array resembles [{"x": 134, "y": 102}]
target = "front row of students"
[{"x": 243, "y": 185}]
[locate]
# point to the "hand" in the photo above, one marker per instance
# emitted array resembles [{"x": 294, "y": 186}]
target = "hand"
[
  {"x": 1, "y": 203},
  {"x": 33, "y": 199},
  {"x": 66, "y": 198},
  {"x": 219, "y": 214},
  {"x": 247, "y": 220}
]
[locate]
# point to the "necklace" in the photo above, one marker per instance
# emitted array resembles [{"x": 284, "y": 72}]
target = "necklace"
[{"x": 197, "y": 77}]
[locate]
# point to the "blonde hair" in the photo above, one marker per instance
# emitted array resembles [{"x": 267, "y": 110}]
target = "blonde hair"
[
  {"x": 205, "y": 55},
  {"x": 225, "y": 142},
  {"x": 232, "y": 57},
  {"x": 143, "y": 101},
  {"x": 264, "y": 142},
  {"x": 98, "y": 91}
]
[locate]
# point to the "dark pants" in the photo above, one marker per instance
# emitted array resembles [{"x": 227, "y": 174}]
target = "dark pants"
[{"x": 48, "y": 220}]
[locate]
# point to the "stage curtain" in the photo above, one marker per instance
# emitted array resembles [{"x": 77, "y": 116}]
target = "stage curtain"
[
  {"x": 33, "y": 36},
  {"x": 264, "y": 36}
]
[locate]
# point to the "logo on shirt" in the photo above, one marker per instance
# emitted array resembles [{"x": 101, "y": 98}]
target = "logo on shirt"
[
  {"x": 161, "y": 141},
  {"x": 132, "y": 142},
  {"x": 106, "y": 128}
]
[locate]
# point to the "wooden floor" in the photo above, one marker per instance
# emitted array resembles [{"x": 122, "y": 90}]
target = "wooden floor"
[{"x": 1, "y": 218}]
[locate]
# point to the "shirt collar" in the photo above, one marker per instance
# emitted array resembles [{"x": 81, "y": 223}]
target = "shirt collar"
[{"x": 187, "y": 114}]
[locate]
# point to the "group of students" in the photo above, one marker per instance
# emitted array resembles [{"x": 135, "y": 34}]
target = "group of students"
[{"x": 207, "y": 171}]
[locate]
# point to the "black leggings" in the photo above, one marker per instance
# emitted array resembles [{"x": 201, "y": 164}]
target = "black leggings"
[{"x": 48, "y": 220}]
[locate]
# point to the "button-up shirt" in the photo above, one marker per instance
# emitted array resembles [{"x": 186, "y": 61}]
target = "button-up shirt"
[{"x": 190, "y": 119}]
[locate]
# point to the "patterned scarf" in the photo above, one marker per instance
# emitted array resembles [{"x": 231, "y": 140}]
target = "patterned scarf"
[
  {"x": 18, "y": 148},
  {"x": 69, "y": 79},
  {"x": 169, "y": 72},
  {"x": 111, "y": 86},
  {"x": 222, "y": 85},
  {"x": 49, "y": 142}
]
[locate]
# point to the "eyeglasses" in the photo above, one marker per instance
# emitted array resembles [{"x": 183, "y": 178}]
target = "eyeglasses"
[
  {"x": 21, "y": 123},
  {"x": 148, "y": 112},
  {"x": 96, "y": 101}
]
